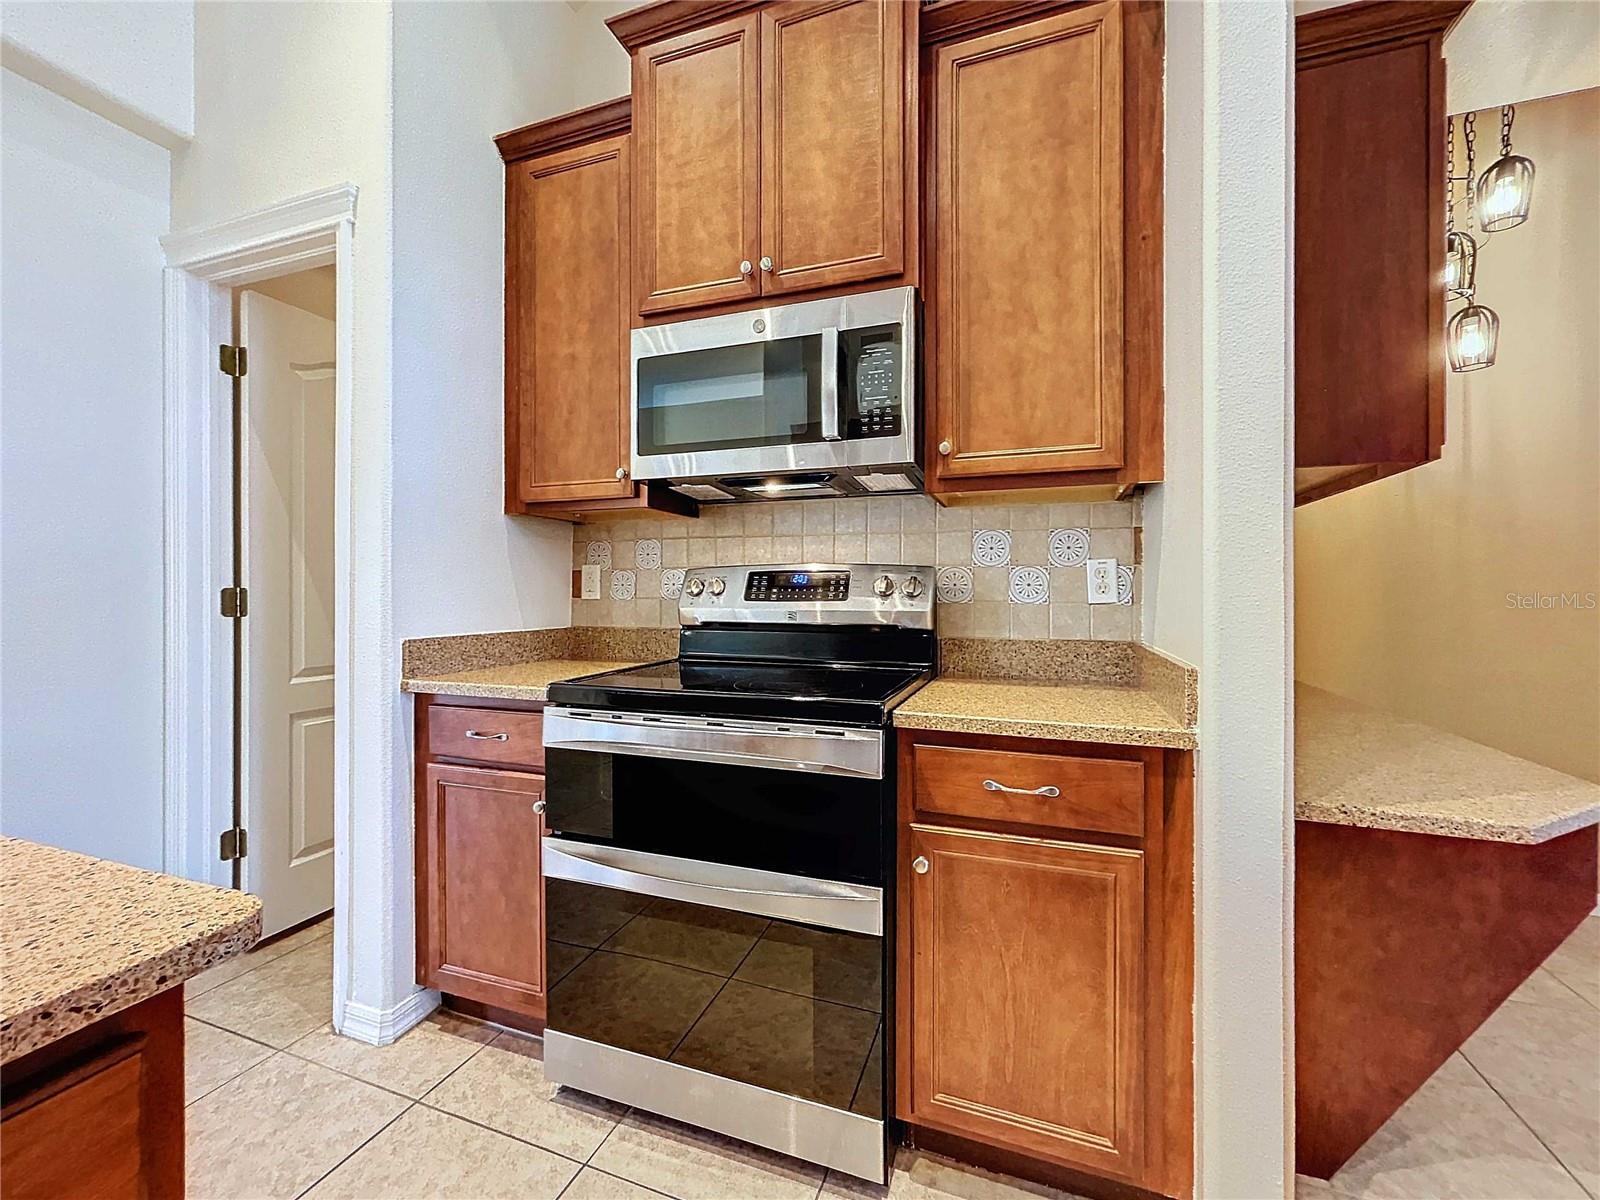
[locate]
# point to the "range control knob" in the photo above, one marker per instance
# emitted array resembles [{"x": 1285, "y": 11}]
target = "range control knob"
[
  {"x": 694, "y": 587},
  {"x": 883, "y": 586},
  {"x": 913, "y": 587},
  {"x": 718, "y": 586}
]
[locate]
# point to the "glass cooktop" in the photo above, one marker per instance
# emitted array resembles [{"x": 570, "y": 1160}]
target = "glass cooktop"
[{"x": 822, "y": 692}]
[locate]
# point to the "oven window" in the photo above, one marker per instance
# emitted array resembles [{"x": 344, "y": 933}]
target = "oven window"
[
  {"x": 760, "y": 394},
  {"x": 788, "y": 1007}
]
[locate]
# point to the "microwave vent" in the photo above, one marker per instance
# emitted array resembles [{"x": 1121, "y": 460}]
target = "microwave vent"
[
  {"x": 887, "y": 482},
  {"x": 701, "y": 491}
]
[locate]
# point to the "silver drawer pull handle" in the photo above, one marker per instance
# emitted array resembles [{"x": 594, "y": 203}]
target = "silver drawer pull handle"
[
  {"x": 487, "y": 737},
  {"x": 1049, "y": 789},
  {"x": 538, "y": 807}
]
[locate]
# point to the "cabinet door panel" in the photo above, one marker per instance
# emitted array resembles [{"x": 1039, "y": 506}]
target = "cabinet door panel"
[
  {"x": 480, "y": 886},
  {"x": 1027, "y": 349},
  {"x": 833, "y": 82},
  {"x": 697, "y": 127},
  {"x": 569, "y": 286},
  {"x": 1025, "y": 994}
]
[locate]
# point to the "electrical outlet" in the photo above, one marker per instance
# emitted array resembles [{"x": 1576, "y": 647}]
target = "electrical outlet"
[
  {"x": 1102, "y": 580},
  {"x": 591, "y": 582}
]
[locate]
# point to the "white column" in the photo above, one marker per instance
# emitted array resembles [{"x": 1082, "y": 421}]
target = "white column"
[{"x": 1244, "y": 1016}]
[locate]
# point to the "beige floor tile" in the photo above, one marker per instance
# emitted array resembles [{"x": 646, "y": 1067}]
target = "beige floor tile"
[
  {"x": 277, "y": 1003},
  {"x": 597, "y": 1185},
  {"x": 434, "y": 1155},
  {"x": 503, "y": 1086},
  {"x": 922, "y": 1176},
  {"x": 213, "y": 1056},
  {"x": 278, "y": 1128},
  {"x": 1571, "y": 1133},
  {"x": 692, "y": 1164},
  {"x": 1577, "y": 961},
  {"x": 1456, "y": 1140},
  {"x": 1540, "y": 1051},
  {"x": 420, "y": 1059},
  {"x": 1542, "y": 987},
  {"x": 259, "y": 957}
]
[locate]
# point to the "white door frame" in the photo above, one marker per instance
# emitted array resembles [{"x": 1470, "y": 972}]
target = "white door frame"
[{"x": 203, "y": 266}]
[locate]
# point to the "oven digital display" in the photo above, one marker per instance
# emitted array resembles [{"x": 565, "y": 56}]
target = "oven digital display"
[{"x": 797, "y": 585}]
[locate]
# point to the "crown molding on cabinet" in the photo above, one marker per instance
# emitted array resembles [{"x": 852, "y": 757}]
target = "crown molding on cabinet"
[
  {"x": 667, "y": 18},
  {"x": 1332, "y": 30},
  {"x": 610, "y": 118}
]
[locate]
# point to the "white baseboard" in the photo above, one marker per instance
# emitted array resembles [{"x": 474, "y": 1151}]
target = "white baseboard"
[{"x": 380, "y": 1026}]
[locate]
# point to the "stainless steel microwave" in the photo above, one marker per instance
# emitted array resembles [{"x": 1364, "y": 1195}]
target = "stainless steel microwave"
[{"x": 817, "y": 398}]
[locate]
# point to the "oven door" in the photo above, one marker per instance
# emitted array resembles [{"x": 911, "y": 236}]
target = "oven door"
[{"x": 714, "y": 936}]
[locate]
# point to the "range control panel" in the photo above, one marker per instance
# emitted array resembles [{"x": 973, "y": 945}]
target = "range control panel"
[
  {"x": 809, "y": 594},
  {"x": 797, "y": 585}
]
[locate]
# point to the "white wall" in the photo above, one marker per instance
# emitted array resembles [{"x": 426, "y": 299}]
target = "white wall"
[
  {"x": 1508, "y": 51},
  {"x": 81, "y": 532},
  {"x": 464, "y": 72},
  {"x": 131, "y": 63}
]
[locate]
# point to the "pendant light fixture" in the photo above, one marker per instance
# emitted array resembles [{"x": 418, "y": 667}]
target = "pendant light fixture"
[
  {"x": 1472, "y": 337},
  {"x": 1505, "y": 191},
  {"x": 1460, "y": 247}
]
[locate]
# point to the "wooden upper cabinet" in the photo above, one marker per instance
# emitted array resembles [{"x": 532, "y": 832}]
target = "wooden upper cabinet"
[
  {"x": 480, "y": 886},
  {"x": 1026, "y": 230},
  {"x": 697, "y": 130},
  {"x": 566, "y": 290},
  {"x": 1369, "y": 242},
  {"x": 834, "y": 146},
  {"x": 1051, "y": 1064}
]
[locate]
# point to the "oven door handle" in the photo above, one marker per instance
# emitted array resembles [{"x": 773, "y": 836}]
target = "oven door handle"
[
  {"x": 835, "y": 905},
  {"x": 857, "y": 753}
]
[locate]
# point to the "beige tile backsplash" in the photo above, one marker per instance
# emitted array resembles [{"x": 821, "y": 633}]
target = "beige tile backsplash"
[{"x": 1001, "y": 570}]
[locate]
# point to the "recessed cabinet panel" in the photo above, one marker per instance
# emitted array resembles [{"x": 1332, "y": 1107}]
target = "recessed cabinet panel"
[
  {"x": 833, "y": 142},
  {"x": 697, "y": 123},
  {"x": 1027, "y": 967},
  {"x": 568, "y": 283},
  {"x": 1026, "y": 222}
]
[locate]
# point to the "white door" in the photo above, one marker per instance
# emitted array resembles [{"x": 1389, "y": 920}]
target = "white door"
[{"x": 287, "y": 552}]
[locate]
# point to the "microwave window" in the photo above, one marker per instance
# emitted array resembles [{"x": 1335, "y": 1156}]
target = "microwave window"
[{"x": 759, "y": 394}]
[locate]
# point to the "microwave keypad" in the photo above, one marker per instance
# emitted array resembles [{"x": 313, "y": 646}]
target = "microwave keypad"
[
  {"x": 797, "y": 585},
  {"x": 876, "y": 377}
]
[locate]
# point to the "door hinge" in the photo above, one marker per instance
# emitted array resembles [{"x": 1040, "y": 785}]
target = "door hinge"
[
  {"x": 235, "y": 602},
  {"x": 234, "y": 361},
  {"x": 235, "y": 844}
]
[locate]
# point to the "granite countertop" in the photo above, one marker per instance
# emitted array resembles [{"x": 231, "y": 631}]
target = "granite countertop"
[
  {"x": 1355, "y": 765},
  {"x": 1130, "y": 714},
  {"x": 82, "y": 938},
  {"x": 508, "y": 681}
]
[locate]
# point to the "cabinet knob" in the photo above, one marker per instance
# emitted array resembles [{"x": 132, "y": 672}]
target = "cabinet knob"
[
  {"x": 919, "y": 865},
  {"x": 766, "y": 263},
  {"x": 745, "y": 268},
  {"x": 944, "y": 447},
  {"x": 538, "y": 807},
  {"x": 622, "y": 472}
]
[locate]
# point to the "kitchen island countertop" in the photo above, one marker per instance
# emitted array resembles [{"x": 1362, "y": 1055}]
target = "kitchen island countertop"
[{"x": 82, "y": 939}]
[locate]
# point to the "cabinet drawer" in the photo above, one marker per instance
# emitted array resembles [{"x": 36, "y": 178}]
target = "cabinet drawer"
[
  {"x": 492, "y": 735},
  {"x": 1102, "y": 794}
]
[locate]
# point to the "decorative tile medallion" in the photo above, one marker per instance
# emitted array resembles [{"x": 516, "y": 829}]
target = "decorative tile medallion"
[
  {"x": 1069, "y": 547},
  {"x": 599, "y": 553},
  {"x": 1124, "y": 584},
  {"x": 1029, "y": 585},
  {"x": 672, "y": 583},
  {"x": 953, "y": 585},
  {"x": 648, "y": 552},
  {"x": 622, "y": 585},
  {"x": 991, "y": 547}
]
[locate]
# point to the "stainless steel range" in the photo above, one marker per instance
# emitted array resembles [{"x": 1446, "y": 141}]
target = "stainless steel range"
[{"x": 719, "y": 860}]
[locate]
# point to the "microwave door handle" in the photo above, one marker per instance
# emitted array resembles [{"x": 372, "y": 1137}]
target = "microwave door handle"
[{"x": 830, "y": 386}]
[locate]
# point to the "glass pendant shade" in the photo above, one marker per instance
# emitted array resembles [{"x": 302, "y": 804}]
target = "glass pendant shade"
[
  {"x": 1471, "y": 338},
  {"x": 1460, "y": 264},
  {"x": 1504, "y": 192}
]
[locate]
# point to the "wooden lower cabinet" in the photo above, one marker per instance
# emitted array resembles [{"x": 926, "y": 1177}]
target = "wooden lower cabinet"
[
  {"x": 480, "y": 906},
  {"x": 1027, "y": 975},
  {"x": 1044, "y": 965}
]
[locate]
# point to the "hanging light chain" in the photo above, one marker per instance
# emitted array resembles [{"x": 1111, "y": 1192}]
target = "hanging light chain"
[
  {"x": 1450, "y": 174},
  {"x": 1508, "y": 114},
  {"x": 1469, "y": 126}
]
